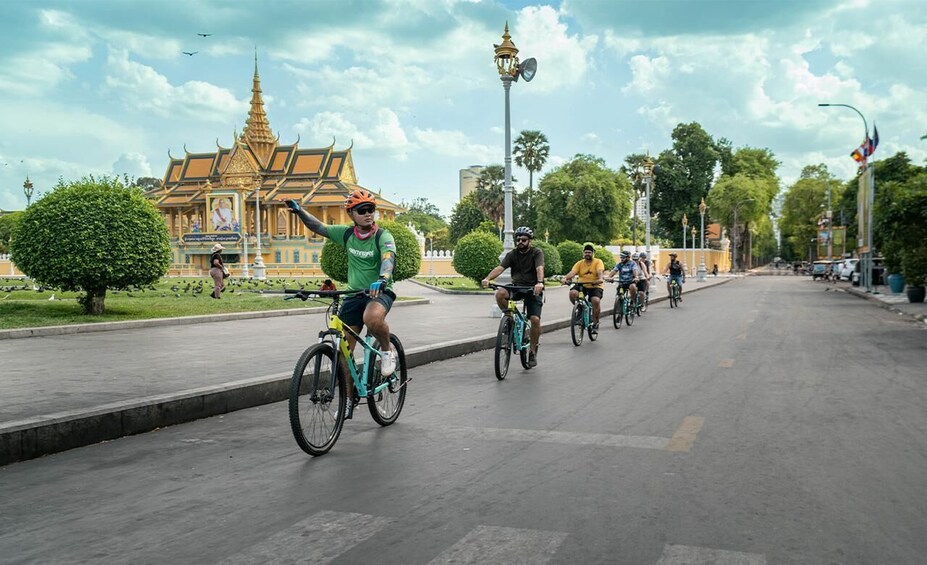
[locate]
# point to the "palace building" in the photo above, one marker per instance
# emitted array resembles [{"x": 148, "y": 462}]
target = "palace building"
[{"x": 229, "y": 195}]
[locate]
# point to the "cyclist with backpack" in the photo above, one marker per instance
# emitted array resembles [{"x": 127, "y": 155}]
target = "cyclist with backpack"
[
  {"x": 677, "y": 272},
  {"x": 371, "y": 259}
]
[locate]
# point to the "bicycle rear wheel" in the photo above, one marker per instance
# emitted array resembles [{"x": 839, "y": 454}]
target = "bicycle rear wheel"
[
  {"x": 503, "y": 352},
  {"x": 617, "y": 314},
  {"x": 317, "y": 400},
  {"x": 386, "y": 405},
  {"x": 576, "y": 324}
]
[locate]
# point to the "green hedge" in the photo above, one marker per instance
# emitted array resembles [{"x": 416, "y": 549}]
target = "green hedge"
[
  {"x": 408, "y": 255},
  {"x": 476, "y": 254},
  {"x": 552, "y": 263},
  {"x": 570, "y": 253}
]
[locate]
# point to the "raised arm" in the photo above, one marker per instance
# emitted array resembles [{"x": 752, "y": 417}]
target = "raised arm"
[{"x": 308, "y": 219}]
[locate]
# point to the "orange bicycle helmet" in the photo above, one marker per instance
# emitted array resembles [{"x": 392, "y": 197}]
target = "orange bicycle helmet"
[{"x": 359, "y": 196}]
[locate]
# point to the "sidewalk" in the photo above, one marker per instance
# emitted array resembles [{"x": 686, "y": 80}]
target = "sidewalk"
[
  {"x": 884, "y": 298},
  {"x": 64, "y": 391}
]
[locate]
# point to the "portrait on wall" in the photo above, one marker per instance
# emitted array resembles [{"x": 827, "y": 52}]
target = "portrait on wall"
[{"x": 223, "y": 214}]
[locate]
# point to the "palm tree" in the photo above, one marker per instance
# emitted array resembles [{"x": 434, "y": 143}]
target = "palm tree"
[
  {"x": 531, "y": 152},
  {"x": 490, "y": 195}
]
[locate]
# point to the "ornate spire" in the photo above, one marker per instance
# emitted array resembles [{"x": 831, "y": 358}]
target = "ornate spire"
[{"x": 257, "y": 133}]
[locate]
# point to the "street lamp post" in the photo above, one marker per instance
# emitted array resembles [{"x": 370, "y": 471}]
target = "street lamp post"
[
  {"x": 510, "y": 69},
  {"x": 692, "y": 250},
  {"x": 702, "y": 269},
  {"x": 649, "y": 172},
  {"x": 27, "y": 190},
  {"x": 865, "y": 259},
  {"x": 260, "y": 272},
  {"x": 685, "y": 225}
]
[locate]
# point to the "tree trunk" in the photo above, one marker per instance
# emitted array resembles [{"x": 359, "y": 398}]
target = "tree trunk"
[{"x": 93, "y": 302}]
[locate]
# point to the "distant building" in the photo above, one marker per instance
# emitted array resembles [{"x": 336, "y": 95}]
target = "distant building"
[
  {"x": 468, "y": 179},
  {"x": 208, "y": 198}
]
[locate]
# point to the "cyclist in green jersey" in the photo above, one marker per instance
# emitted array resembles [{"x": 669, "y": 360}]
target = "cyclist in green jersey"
[{"x": 371, "y": 260}]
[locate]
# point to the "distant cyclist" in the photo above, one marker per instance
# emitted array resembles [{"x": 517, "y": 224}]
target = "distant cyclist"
[
  {"x": 641, "y": 260},
  {"x": 676, "y": 272},
  {"x": 527, "y": 269},
  {"x": 591, "y": 272},
  {"x": 371, "y": 259},
  {"x": 628, "y": 274}
]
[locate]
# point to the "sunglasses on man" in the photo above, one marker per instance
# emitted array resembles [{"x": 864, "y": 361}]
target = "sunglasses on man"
[
  {"x": 366, "y": 209},
  {"x": 521, "y": 239}
]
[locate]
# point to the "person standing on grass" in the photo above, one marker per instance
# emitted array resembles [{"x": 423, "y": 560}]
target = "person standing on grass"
[{"x": 217, "y": 271}]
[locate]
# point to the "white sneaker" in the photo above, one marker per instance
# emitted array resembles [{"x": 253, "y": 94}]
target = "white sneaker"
[{"x": 388, "y": 361}]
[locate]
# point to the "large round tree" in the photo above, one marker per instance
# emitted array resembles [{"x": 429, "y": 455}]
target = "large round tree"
[
  {"x": 91, "y": 235},
  {"x": 334, "y": 260}
]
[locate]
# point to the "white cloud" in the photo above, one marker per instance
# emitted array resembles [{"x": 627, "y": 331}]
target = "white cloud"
[
  {"x": 456, "y": 144},
  {"x": 383, "y": 132},
  {"x": 590, "y": 137},
  {"x": 563, "y": 59},
  {"x": 648, "y": 74},
  {"x": 144, "y": 89},
  {"x": 132, "y": 164}
]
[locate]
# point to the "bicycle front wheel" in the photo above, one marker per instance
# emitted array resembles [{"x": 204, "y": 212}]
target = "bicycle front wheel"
[
  {"x": 628, "y": 312},
  {"x": 503, "y": 353},
  {"x": 525, "y": 346},
  {"x": 386, "y": 405},
  {"x": 672, "y": 297},
  {"x": 576, "y": 325},
  {"x": 617, "y": 314},
  {"x": 317, "y": 400}
]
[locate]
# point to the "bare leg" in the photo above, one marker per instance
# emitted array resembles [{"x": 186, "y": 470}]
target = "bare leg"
[
  {"x": 502, "y": 299},
  {"x": 573, "y": 296},
  {"x": 596, "y": 308},
  {"x": 535, "y": 333},
  {"x": 375, "y": 320}
]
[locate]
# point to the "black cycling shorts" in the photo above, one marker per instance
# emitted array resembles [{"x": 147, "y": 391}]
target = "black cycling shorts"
[
  {"x": 533, "y": 303},
  {"x": 352, "y": 309},
  {"x": 591, "y": 292}
]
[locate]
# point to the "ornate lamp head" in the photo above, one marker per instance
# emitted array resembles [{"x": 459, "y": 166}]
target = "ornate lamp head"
[
  {"x": 685, "y": 221},
  {"x": 702, "y": 207},
  {"x": 648, "y": 166},
  {"x": 506, "y": 58}
]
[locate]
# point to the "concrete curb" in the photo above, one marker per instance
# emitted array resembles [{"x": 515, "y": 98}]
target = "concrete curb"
[
  {"x": 449, "y": 291},
  {"x": 43, "y": 435},
  {"x": 886, "y": 305},
  {"x": 46, "y": 331}
]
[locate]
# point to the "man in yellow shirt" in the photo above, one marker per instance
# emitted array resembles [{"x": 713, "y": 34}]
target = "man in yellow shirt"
[{"x": 591, "y": 274}]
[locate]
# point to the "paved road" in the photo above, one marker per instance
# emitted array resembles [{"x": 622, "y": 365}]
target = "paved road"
[{"x": 766, "y": 421}]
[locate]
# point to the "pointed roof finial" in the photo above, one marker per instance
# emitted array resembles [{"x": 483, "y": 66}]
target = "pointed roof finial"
[
  {"x": 255, "y": 60},
  {"x": 257, "y": 133}
]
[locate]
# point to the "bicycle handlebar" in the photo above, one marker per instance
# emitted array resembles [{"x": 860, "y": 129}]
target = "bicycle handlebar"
[
  {"x": 511, "y": 287},
  {"x": 305, "y": 294}
]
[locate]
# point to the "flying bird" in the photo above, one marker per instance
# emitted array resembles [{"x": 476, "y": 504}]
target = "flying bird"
[
  {"x": 190, "y": 53},
  {"x": 204, "y": 34}
]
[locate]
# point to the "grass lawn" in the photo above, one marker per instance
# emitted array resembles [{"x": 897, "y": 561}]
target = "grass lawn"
[{"x": 23, "y": 307}]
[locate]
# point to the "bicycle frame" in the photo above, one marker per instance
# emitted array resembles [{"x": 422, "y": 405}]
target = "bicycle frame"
[
  {"x": 339, "y": 330},
  {"x": 522, "y": 325}
]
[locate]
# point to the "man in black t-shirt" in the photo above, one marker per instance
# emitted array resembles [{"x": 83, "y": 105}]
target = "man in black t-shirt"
[{"x": 526, "y": 265}]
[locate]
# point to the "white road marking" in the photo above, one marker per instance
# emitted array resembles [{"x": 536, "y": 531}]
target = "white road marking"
[
  {"x": 691, "y": 555},
  {"x": 320, "y": 538},
  {"x": 569, "y": 438},
  {"x": 491, "y": 544}
]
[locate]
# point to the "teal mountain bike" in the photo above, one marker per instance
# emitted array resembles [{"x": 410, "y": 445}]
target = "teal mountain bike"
[
  {"x": 623, "y": 312},
  {"x": 514, "y": 332},
  {"x": 674, "y": 293},
  {"x": 318, "y": 389},
  {"x": 581, "y": 319}
]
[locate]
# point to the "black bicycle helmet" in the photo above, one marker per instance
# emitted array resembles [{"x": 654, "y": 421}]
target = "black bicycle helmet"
[{"x": 524, "y": 230}]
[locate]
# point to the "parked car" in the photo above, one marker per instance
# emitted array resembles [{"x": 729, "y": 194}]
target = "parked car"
[
  {"x": 849, "y": 265},
  {"x": 877, "y": 272},
  {"x": 820, "y": 270}
]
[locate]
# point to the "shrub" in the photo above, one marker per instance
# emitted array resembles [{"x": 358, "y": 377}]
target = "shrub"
[
  {"x": 570, "y": 253},
  {"x": 476, "y": 254},
  {"x": 606, "y": 256},
  {"x": 334, "y": 259},
  {"x": 91, "y": 235},
  {"x": 552, "y": 264}
]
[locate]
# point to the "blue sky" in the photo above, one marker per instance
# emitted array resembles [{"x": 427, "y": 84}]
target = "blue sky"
[{"x": 103, "y": 87}]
